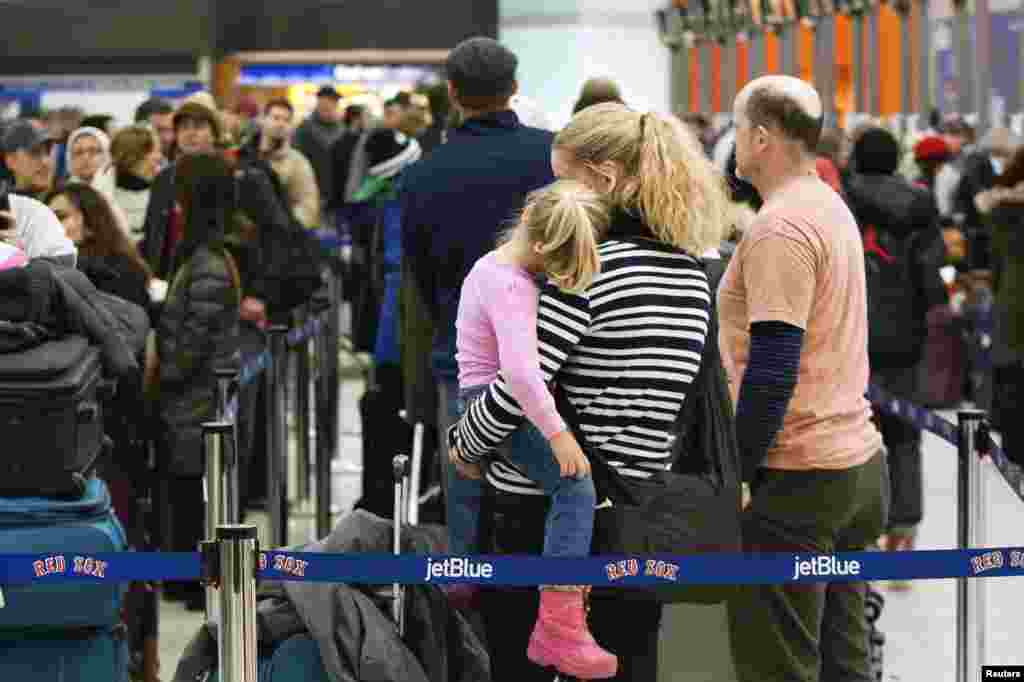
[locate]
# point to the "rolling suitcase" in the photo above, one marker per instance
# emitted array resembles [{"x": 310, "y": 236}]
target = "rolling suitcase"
[
  {"x": 68, "y": 529},
  {"x": 51, "y": 397},
  {"x": 81, "y": 656}
]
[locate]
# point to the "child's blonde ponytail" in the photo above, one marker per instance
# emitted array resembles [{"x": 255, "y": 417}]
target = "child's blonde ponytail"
[{"x": 563, "y": 223}]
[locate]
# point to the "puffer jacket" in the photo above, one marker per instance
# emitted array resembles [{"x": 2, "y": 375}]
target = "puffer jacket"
[{"x": 198, "y": 333}]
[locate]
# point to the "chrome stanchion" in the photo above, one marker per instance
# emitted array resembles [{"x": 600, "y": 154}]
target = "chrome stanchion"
[
  {"x": 215, "y": 443},
  {"x": 413, "y": 502},
  {"x": 325, "y": 439},
  {"x": 302, "y": 372},
  {"x": 230, "y": 564},
  {"x": 276, "y": 377},
  {"x": 970, "y": 612},
  {"x": 401, "y": 473},
  {"x": 227, "y": 379}
]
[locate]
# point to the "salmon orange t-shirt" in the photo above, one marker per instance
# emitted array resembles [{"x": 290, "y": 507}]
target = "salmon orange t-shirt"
[{"x": 801, "y": 262}]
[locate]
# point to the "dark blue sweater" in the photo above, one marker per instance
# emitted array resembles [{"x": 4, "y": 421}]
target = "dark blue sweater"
[{"x": 455, "y": 203}]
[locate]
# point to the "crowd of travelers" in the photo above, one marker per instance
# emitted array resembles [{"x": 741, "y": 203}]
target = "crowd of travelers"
[{"x": 549, "y": 303}]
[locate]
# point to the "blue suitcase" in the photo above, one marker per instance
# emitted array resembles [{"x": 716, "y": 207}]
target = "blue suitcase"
[
  {"x": 32, "y": 525},
  {"x": 79, "y": 656},
  {"x": 294, "y": 660}
]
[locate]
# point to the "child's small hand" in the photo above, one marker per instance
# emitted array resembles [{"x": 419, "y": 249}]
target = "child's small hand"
[
  {"x": 571, "y": 460},
  {"x": 466, "y": 470}
]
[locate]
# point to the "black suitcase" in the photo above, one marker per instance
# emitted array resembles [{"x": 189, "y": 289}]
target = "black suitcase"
[{"x": 51, "y": 405}]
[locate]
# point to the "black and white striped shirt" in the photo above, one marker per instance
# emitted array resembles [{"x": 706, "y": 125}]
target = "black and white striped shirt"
[{"x": 626, "y": 353}]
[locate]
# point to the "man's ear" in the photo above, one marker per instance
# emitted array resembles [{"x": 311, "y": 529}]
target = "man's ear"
[
  {"x": 515, "y": 89},
  {"x": 453, "y": 94}
]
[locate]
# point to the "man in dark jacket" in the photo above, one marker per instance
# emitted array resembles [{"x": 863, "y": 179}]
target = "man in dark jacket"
[
  {"x": 455, "y": 203},
  {"x": 315, "y": 136},
  {"x": 197, "y": 130}
]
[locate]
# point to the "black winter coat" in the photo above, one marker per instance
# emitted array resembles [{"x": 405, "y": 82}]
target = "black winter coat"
[{"x": 198, "y": 333}]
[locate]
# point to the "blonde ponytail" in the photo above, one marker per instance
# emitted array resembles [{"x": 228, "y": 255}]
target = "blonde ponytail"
[
  {"x": 666, "y": 176},
  {"x": 563, "y": 223}
]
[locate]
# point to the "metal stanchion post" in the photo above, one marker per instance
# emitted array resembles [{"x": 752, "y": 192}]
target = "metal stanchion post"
[
  {"x": 230, "y": 563},
  {"x": 401, "y": 471},
  {"x": 970, "y": 639},
  {"x": 333, "y": 336},
  {"x": 325, "y": 439},
  {"x": 226, "y": 379},
  {"x": 302, "y": 412},
  {"x": 226, "y": 376},
  {"x": 215, "y": 437},
  {"x": 277, "y": 437},
  {"x": 413, "y": 503}
]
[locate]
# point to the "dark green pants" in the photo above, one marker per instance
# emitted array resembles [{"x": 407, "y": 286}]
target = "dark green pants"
[{"x": 808, "y": 632}]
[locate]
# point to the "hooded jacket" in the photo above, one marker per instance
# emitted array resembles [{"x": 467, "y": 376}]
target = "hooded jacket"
[
  {"x": 39, "y": 233},
  {"x": 1003, "y": 210}
]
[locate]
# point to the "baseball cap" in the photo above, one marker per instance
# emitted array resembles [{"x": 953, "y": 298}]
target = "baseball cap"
[
  {"x": 21, "y": 135},
  {"x": 328, "y": 91}
]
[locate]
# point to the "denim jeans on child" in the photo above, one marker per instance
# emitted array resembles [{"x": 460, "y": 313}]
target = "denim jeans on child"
[{"x": 570, "y": 521}]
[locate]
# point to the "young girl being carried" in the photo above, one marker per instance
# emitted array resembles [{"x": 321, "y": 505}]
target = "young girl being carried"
[{"x": 555, "y": 238}]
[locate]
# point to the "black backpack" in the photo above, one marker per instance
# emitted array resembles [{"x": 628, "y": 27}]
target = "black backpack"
[
  {"x": 896, "y": 323},
  {"x": 894, "y": 216}
]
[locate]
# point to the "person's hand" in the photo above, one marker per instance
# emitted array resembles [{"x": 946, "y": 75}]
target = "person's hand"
[
  {"x": 253, "y": 310},
  {"x": 571, "y": 460},
  {"x": 466, "y": 470}
]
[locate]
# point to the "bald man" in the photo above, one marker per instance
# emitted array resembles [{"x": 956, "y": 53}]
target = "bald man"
[{"x": 793, "y": 312}]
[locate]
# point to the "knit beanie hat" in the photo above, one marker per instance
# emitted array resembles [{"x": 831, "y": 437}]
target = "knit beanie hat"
[
  {"x": 876, "y": 152},
  {"x": 389, "y": 151},
  {"x": 932, "y": 148}
]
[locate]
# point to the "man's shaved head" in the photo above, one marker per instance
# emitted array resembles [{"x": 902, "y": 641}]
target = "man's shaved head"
[{"x": 784, "y": 104}]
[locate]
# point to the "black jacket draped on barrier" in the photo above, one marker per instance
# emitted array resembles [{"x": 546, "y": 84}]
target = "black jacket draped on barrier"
[
  {"x": 44, "y": 301},
  {"x": 356, "y": 639}
]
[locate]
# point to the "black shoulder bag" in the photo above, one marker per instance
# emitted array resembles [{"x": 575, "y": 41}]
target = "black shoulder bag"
[{"x": 692, "y": 508}]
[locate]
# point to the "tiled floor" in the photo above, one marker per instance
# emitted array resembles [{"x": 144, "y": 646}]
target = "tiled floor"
[{"x": 919, "y": 624}]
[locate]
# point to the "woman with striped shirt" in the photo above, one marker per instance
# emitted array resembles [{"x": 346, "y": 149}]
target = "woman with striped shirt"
[{"x": 625, "y": 351}]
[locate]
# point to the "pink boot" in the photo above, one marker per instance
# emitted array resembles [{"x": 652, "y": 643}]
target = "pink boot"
[{"x": 561, "y": 639}]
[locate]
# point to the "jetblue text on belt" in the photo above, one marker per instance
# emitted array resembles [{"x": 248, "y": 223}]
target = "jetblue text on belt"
[{"x": 611, "y": 571}]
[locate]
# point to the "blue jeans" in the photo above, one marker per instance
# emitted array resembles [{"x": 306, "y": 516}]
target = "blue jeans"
[{"x": 570, "y": 521}]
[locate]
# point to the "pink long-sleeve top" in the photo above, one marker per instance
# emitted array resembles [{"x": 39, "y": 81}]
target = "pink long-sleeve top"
[{"x": 497, "y": 330}]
